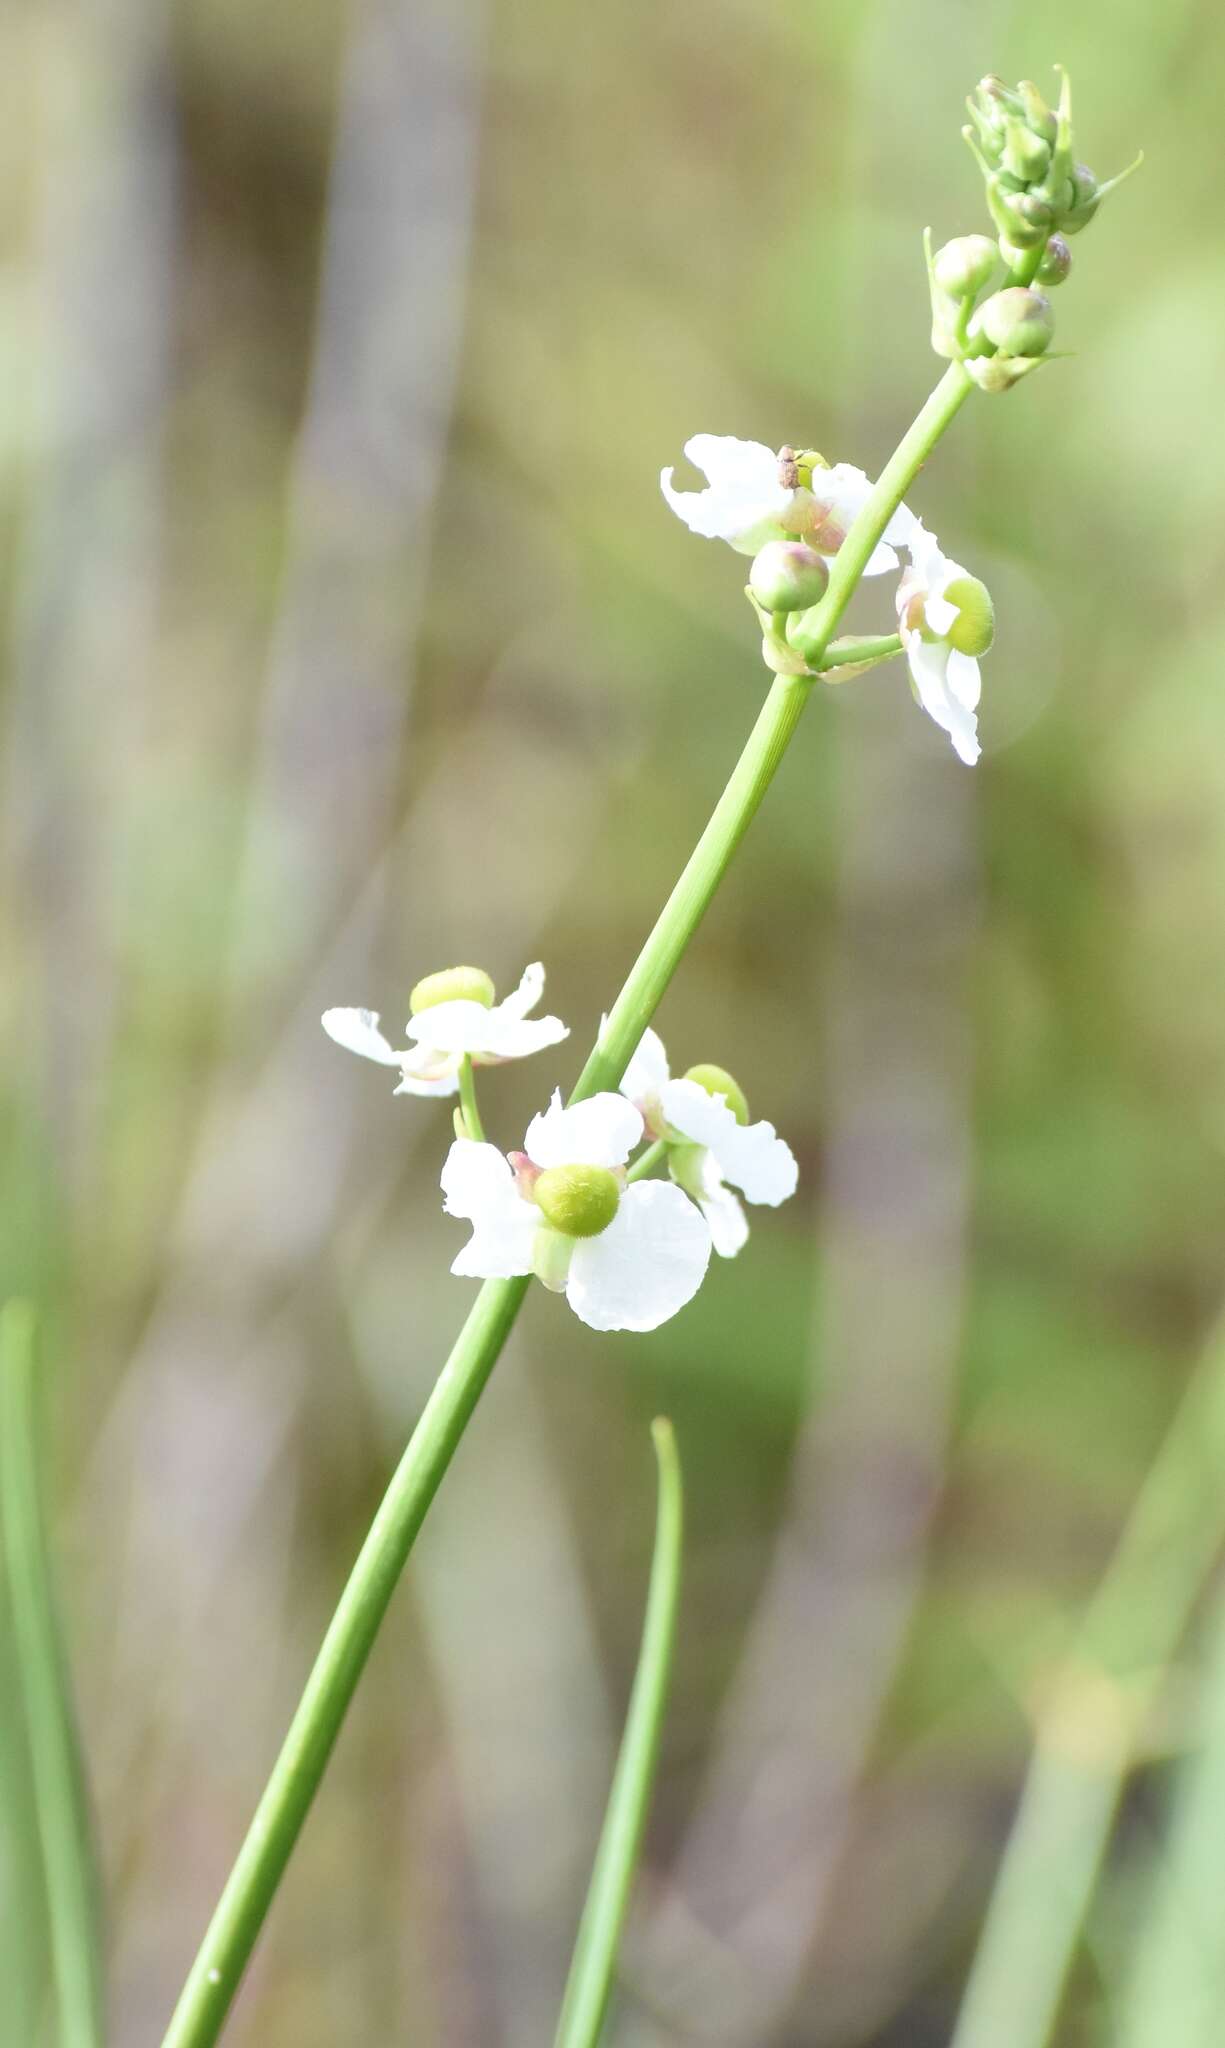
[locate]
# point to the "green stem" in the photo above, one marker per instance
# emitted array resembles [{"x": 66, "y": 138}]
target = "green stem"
[
  {"x": 58, "y": 1775},
  {"x": 467, "y": 1097},
  {"x": 862, "y": 653},
  {"x": 202, "y": 2007},
  {"x": 590, "y": 1982},
  {"x": 205, "y": 2000},
  {"x": 1091, "y": 1726},
  {"x": 648, "y": 1161}
]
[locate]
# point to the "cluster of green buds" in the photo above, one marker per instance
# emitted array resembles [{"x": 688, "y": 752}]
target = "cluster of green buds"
[
  {"x": 1035, "y": 186},
  {"x": 1037, "y": 195}
]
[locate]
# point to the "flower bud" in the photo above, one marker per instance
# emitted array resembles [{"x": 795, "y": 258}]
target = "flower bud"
[
  {"x": 1026, "y": 156},
  {"x": 963, "y": 266},
  {"x": 991, "y": 105},
  {"x": 1081, "y": 202},
  {"x": 452, "y": 985},
  {"x": 788, "y": 576},
  {"x": 1018, "y": 321},
  {"x": 1023, "y": 218},
  {"x": 1038, "y": 116},
  {"x": 973, "y": 630},
  {"x": 717, "y": 1081},
  {"x": 580, "y": 1201},
  {"x": 1056, "y": 263}
]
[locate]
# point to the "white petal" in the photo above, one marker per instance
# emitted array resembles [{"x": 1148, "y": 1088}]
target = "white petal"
[
  {"x": 939, "y": 613},
  {"x": 930, "y": 664},
  {"x": 843, "y": 487},
  {"x": 648, "y": 1263},
  {"x": 882, "y": 560},
  {"x": 924, "y": 553},
  {"x": 423, "y": 1072},
  {"x": 729, "y": 1226},
  {"x": 478, "y": 1184},
  {"x": 528, "y": 993},
  {"x": 744, "y": 502},
  {"x": 461, "y": 1027},
  {"x": 516, "y": 1038},
  {"x": 964, "y": 679},
  {"x": 358, "y": 1031},
  {"x": 843, "y": 491},
  {"x": 901, "y": 527},
  {"x": 752, "y": 1156},
  {"x": 723, "y": 459},
  {"x": 602, "y": 1131},
  {"x": 648, "y": 1068}
]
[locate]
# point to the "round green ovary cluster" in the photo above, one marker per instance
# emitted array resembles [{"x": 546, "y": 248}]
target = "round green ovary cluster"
[
  {"x": 717, "y": 1081},
  {"x": 452, "y": 985},
  {"x": 973, "y": 630},
  {"x": 580, "y": 1201}
]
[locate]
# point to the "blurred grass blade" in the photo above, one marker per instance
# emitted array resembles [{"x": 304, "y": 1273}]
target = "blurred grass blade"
[
  {"x": 1091, "y": 1725},
  {"x": 58, "y": 1781},
  {"x": 1175, "y": 1994},
  {"x": 595, "y": 1951}
]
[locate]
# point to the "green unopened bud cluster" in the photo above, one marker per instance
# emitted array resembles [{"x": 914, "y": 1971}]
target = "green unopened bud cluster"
[
  {"x": 1035, "y": 186},
  {"x": 1037, "y": 195}
]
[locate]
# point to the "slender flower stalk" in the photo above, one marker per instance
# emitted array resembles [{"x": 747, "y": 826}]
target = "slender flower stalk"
[
  {"x": 862, "y": 653},
  {"x": 467, "y": 1096},
  {"x": 589, "y": 1986},
  {"x": 647, "y": 1161},
  {"x": 1091, "y": 1726},
  {"x": 213, "y": 1980},
  {"x": 58, "y": 1775}
]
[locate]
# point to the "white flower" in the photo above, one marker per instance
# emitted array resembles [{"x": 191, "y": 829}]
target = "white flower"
[
  {"x": 751, "y": 1156},
  {"x": 746, "y": 504},
  {"x": 946, "y": 678},
  {"x": 443, "y": 1033},
  {"x": 634, "y": 1273}
]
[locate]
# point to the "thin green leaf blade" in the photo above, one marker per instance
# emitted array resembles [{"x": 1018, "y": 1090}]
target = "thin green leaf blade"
[{"x": 58, "y": 1778}]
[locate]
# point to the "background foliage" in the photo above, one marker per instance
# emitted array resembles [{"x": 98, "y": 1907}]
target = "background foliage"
[{"x": 346, "y": 634}]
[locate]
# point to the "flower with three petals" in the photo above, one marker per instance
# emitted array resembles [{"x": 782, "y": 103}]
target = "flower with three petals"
[
  {"x": 709, "y": 1144},
  {"x": 626, "y": 1257},
  {"x": 945, "y": 621},
  {"x": 747, "y": 501},
  {"x": 444, "y": 1032}
]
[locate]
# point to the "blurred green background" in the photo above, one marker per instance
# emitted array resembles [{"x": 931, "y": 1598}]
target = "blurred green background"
[{"x": 346, "y": 634}]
